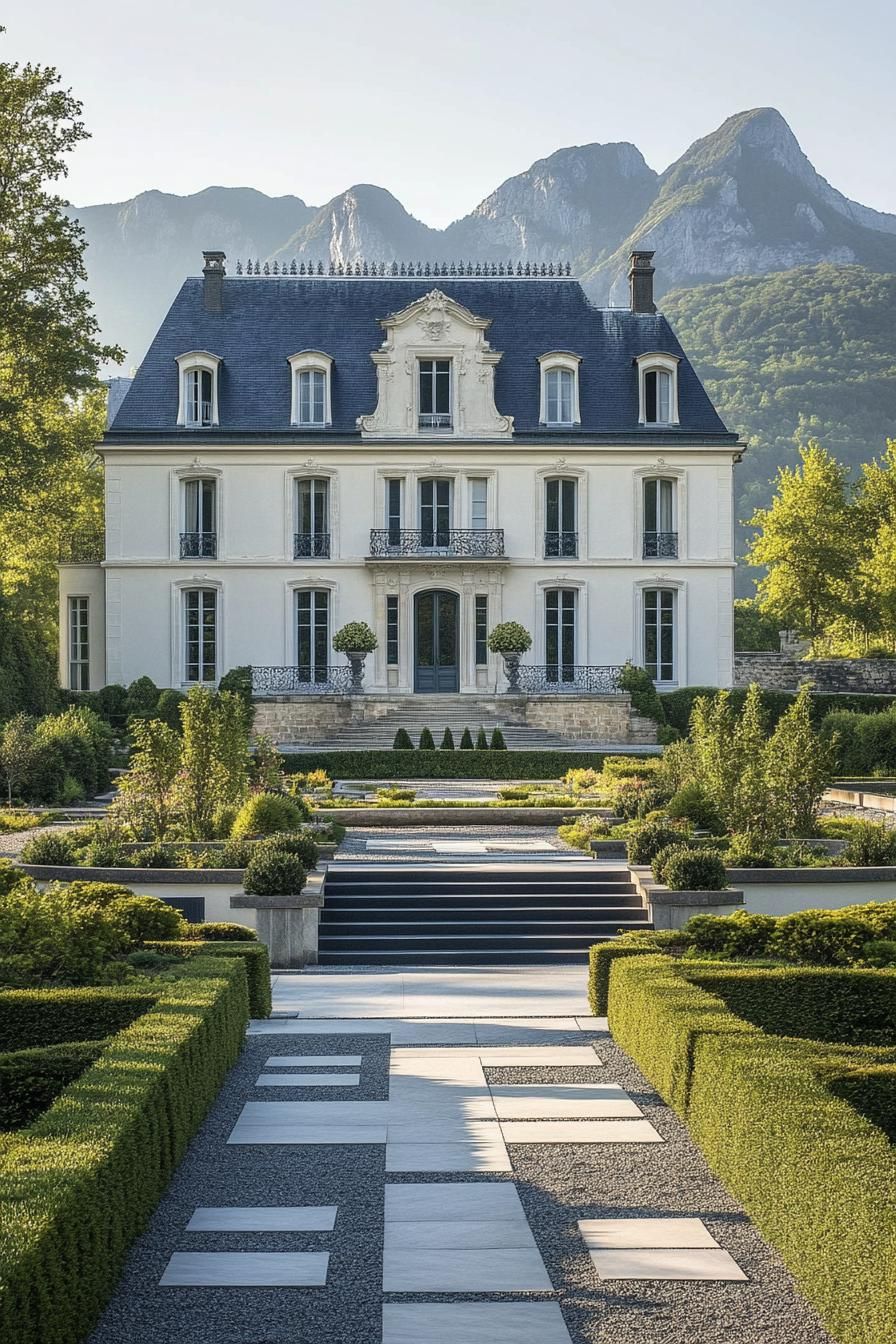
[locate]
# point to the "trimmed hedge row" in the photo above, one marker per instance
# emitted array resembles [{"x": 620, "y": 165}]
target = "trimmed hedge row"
[
  {"x": 678, "y": 704},
  {"x": 817, "y": 1178},
  {"x": 254, "y": 957},
  {"x": 39, "y": 1017},
  {"x": 80, "y": 1184},
  {"x": 600, "y": 961},
  {"x": 871, "y": 1090},
  {"x": 443, "y": 764},
  {"x": 31, "y": 1080}
]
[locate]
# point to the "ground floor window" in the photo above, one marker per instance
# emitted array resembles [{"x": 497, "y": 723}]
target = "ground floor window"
[
  {"x": 200, "y": 635},
  {"x": 659, "y": 633},
  {"x": 481, "y": 629},
  {"x": 78, "y": 644},
  {"x": 392, "y": 630},
  {"x": 312, "y": 633},
  {"x": 560, "y": 633}
]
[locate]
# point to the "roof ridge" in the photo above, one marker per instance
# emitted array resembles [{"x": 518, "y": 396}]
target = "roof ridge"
[{"x": 396, "y": 270}]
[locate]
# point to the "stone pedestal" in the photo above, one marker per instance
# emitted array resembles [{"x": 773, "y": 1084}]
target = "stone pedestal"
[
  {"x": 672, "y": 909},
  {"x": 287, "y": 924}
]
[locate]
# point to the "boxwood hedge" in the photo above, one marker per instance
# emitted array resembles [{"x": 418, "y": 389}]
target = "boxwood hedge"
[
  {"x": 79, "y": 1185},
  {"x": 31, "y": 1080},
  {"x": 38, "y": 1017},
  {"x": 815, "y": 1175},
  {"x": 254, "y": 957},
  {"x": 443, "y": 764}
]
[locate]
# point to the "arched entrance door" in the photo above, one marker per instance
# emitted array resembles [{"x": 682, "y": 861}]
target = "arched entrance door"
[{"x": 435, "y": 642}]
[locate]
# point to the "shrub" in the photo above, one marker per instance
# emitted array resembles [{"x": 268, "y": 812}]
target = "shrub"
[
  {"x": 154, "y": 856},
  {"x": 742, "y": 934},
  {"x": 389, "y": 764},
  {"x": 647, "y": 841},
  {"x": 695, "y": 870},
  {"x": 871, "y": 1090},
  {"x": 11, "y": 822},
  {"x": 84, "y": 893},
  {"x": 870, "y": 845},
  {"x": 638, "y": 683},
  {"x": 50, "y": 848},
  {"x": 792, "y": 1153},
  {"x": 509, "y": 637},
  {"x": 356, "y": 637},
  {"x": 10, "y": 876},
  {"x": 238, "y": 681},
  {"x": 221, "y": 932},
  {"x": 664, "y": 855},
  {"x": 582, "y": 781},
  {"x": 636, "y": 797},
  {"x": 252, "y": 954},
  {"x": 223, "y": 818},
  {"x": 273, "y": 872},
  {"x": 111, "y": 704},
  {"x": 234, "y": 853},
  {"x": 267, "y": 813},
  {"x": 116, "y": 1139},
  {"x": 582, "y": 830},
  {"x": 298, "y": 843},
  {"x": 691, "y": 804},
  {"x": 630, "y": 767},
  {"x": 393, "y": 796},
  {"x": 447, "y": 742},
  {"x": 142, "y": 695},
  {"x": 819, "y": 937},
  {"x": 82, "y": 743},
  {"x": 168, "y": 708},
  {"x": 402, "y": 741},
  {"x": 497, "y": 743},
  {"x": 426, "y": 741},
  {"x": 31, "y": 1080},
  {"x": 879, "y": 952},
  {"x": 748, "y": 851},
  {"x": 145, "y": 919},
  {"x": 481, "y": 740},
  {"x": 39, "y": 1017},
  {"x": 466, "y": 741}
]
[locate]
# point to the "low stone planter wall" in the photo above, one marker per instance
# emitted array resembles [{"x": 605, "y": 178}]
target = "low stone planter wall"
[
  {"x": 781, "y": 891},
  {"x": 672, "y": 909},
  {"x": 609, "y": 849},
  {"x": 881, "y": 802},
  {"x": 453, "y": 816}
]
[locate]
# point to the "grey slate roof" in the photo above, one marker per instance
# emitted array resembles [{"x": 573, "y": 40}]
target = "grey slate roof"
[{"x": 267, "y": 319}]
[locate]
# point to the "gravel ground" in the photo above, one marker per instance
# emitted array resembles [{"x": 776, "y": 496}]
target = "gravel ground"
[
  {"x": 557, "y": 1184},
  {"x": 354, "y": 846}
]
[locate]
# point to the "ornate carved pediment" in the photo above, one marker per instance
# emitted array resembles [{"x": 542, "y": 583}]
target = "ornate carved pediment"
[{"x": 436, "y": 326}]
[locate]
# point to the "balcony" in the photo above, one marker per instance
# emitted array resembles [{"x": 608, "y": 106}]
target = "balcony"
[
  {"x": 567, "y": 678},
  {"x": 397, "y": 543},
  {"x": 562, "y": 545},
  {"x": 311, "y": 545},
  {"x": 660, "y": 545},
  {"x": 437, "y": 422},
  {"x": 81, "y": 548},
  {"x": 198, "y": 545},
  {"x": 302, "y": 680}
]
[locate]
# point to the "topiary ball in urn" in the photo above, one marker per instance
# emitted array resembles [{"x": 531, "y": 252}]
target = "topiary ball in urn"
[
  {"x": 355, "y": 640},
  {"x": 510, "y": 639}
]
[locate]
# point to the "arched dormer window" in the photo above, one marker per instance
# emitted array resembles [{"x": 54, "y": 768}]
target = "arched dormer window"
[
  {"x": 559, "y": 389},
  {"x": 657, "y": 389},
  {"x": 197, "y": 406},
  {"x": 311, "y": 401}
]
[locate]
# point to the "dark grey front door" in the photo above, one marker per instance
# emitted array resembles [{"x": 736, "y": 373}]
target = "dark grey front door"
[{"x": 435, "y": 641}]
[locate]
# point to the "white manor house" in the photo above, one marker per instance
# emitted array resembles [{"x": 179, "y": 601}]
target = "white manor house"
[{"x": 432, "y": 450}]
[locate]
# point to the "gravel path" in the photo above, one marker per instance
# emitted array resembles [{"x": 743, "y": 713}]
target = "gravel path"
[{"x": 557, "y": 1184}]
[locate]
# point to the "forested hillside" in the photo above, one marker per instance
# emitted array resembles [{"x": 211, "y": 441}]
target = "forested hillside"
[{"x": 809, "y": 352}]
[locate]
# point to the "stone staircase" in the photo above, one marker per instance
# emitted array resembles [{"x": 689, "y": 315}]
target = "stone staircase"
[{"x": 469, "y": 914}]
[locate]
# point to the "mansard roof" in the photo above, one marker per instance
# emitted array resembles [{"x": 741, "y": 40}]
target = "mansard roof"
[{"x": 264, "y": 319}]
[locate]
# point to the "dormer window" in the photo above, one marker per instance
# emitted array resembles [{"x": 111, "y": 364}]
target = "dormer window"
[
  {"x": 434, "y": 403},
  {"x": 311, "y": 402},
  {"x": 657, "y": 389},
  {"x": 559, "y": 389},
  {"x": 198, "y": 396}
]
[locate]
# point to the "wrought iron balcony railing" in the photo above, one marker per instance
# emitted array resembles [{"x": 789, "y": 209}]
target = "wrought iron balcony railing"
[
  {"x": 302, "y": 680},
  {"x": 198, "y": 545},
  {"x": 81, "y": 548},
  {"x": 661, "y": 545},
  {"x": 438, "y": 420},
  {"x": 563, "y": 544},
  {"x": 315, "y": 545},
  {"x": 550, "y": 678},
  {"x": 463, "y": 543}
]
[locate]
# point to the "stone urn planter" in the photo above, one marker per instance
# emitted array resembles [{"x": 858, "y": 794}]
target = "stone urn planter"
[
  {"x": 356, "y": 661},
  {"x": 512, "y": 672},
  {"x": 355, "y": 640},
  {"x": 511, "y": 640}
]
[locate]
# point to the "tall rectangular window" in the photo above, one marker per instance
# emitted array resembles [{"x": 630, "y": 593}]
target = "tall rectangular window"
[
  {"x": 659, "y": 633},
  {"x": 560, "y": 534},
  {"x": 479, "y": 503},
  {"x": 658, "y": 396},
  {"x": 199, "y": 538},
  {"x": 78, "y": 644},
  {"x": 312, "y": 633},
  {"x": 200, "y": 635},
  {"x": 560, "y": 633},
  {"x": 312, "y": 536},
  {"x": 435, "y": 514},
  {"x": 434, "y": 393},
  {"x": 392, "y": 630},
  {"x": 393, "y": 510},
  {"x": 312, "y": 397},
  {"x": 660, "y": 535},
  {"x": 481, "y": 630},
  {"x": 558, "y": 387},
  {"x": 198, "y": 397}
]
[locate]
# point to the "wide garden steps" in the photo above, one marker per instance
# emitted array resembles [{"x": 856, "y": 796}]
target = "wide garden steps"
[{"x": 465, "y": 914}]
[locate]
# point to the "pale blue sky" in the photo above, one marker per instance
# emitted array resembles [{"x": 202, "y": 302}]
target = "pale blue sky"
[{"x": 440, "y": 102}]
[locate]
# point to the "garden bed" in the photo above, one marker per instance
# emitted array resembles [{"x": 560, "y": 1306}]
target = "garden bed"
[
  {"x": 485, "y": 765},
  {"x": 816, "y": 1176},
  {"x": 452, "y": 816},
  {"x": 82, "y": 1181}
]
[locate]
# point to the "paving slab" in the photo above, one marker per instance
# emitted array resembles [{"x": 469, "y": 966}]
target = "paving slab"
[
  {"x": 273, "y": 1218},
  {"x": 471, "y": 1155},
  {"x": 667, "y": 1264},
  {"x": 308, "y": 1080},
  {"x": 459, "y": 1201},
  {"x": 246, "y": 1269},
  {"x": 459, "y": 1234},
  {"x": 579, "y": 1131},
  {"x": 474, "y": 1323},
  {"x": 644, "y": 1233},
  {"x": 313, "y": 1061},
  {"x": 548, "y": 1101},
  {"x": 464, "y": 1271}
]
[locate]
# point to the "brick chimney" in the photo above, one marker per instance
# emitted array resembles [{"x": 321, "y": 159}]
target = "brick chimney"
[
  {"x": 640, "y": 279},
  {"x": 213, "y": 281}
]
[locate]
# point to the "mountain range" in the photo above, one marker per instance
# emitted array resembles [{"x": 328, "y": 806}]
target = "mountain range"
[{"x": 742, "y": 201}]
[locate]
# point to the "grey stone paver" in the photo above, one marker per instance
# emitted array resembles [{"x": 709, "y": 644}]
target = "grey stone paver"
[
  {"x": 246, "y": 1269},
  {"x": 659, "y": 1265},
  {"x": 277, "y": 1218},
  {"x": 474, "y": 1323}
]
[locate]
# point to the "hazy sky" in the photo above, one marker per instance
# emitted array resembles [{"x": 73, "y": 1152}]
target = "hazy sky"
[{"x": 441, "y": 101}]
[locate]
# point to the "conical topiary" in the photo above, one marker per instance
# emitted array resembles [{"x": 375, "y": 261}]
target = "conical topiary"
[
  {"x": 426, "y": 743},
  {"x": 447, "y": 740},
  {"x": 402, "y": 741},
  {"x": 497, "y": 743},
  {"x": 466, "y": 741},
  {"x": 481, "y": 740}
]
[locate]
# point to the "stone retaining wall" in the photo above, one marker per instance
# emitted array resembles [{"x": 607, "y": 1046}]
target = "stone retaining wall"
[{"x": 833, "y": 676}]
